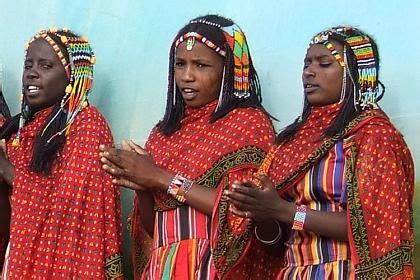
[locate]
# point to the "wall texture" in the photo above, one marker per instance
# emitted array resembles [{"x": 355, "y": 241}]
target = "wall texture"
[{"x": 131, "y": 39}]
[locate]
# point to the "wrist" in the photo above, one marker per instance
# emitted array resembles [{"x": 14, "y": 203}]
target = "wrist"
[
  {"x": 165, "y": 180},
  {"x": 287, "y": 213}
]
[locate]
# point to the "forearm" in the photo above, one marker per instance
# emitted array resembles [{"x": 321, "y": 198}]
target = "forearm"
[
  {"x": 328, "y": 224},
  {"x": 147, "y": 212}
]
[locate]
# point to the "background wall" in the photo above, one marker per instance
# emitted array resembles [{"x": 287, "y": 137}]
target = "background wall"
[{"x": 131, "y": 39}]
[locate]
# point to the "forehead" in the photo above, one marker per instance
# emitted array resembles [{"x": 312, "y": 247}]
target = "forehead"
[
  {"x": 41, "y": 49},
  {"x": 321, "y": 50},
  {"x": 198, "y": 51}
]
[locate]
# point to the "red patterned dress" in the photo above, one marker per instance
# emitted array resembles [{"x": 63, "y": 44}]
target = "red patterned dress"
[
  {"x": 213, "y": 155},
  {"x": 66, "y": 225},
  {"x": 367, "y": 170}
]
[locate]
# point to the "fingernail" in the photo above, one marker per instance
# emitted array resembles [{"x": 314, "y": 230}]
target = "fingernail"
[
  {"x": 114, "y": 181},
  {"x": 101, "y": 146},
  {"x": 106, "y": 153},
  {"x": 235, "y": 186},
  {"x": 103, "y": 159}
]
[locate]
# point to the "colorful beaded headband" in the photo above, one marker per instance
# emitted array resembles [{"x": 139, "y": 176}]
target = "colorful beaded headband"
[
  {"x": 200, "y": 38},
  {"x": 368, "y": 93},
  {"x": 79, "y": 70},
  {"x": 237, "y": 43}
]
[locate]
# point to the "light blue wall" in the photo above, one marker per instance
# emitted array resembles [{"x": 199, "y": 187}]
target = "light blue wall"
[{"x": 132, "y": 37}]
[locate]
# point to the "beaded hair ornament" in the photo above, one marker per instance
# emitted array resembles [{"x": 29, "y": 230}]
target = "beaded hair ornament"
[
  {"x": 79, "y": 70},
  {"x": 236, "y": 41},
  {"x": 367, "y": 92}
]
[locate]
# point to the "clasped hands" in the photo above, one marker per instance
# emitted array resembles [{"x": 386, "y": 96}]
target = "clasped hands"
[
  {"x": 131, "y": 165},
  {"x": 258, "y": 204}
]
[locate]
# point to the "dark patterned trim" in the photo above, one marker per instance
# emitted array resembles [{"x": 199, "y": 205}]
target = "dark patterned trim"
[
  {"x": 113, "y": 267},
  {"x": 354, "y": 206},
  {"x": 389, "y": 265},
  {"x": 250, "y": 155},
  {"x": 229, "y": 245},
  {"x": 321, "y": 151}
]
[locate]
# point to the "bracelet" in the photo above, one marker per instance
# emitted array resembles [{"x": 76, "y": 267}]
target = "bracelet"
[
  {"x": 300, "y": 216},
  {"x": 275, "y": 239},
  {"x": 179, "y": 186}
]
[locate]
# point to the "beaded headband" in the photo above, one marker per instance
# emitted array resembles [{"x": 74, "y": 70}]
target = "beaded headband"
[
  {"x": 79, "y": 70},
  {"x": 236, "y": 41},
  {"x": 368, "y": 85}
]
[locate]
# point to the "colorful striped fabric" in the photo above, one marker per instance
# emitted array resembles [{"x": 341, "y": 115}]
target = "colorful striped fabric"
[
  {"x": 181, "y": 248},
  {"x": 310, "y": 256}
]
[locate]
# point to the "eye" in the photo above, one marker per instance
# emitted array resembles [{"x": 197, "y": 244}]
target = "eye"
[
  {"x": 27, "y": 65},
  {"x": 202, "y": 65},
  {"x": 325, "y": 64},
  {"x": 179, "y": 64},
  {"x": 46, "y": 65}
]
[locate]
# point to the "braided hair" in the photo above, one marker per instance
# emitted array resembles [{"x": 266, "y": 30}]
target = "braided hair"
[
  {"x": 212, "y": 28},
  {"x": 353, "y": 91}
]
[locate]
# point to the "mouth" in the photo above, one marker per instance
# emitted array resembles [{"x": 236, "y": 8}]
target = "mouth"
[
  {"x": 309, "y": 88},
  {"x": 188, "y": 93},
  {"x": 32, "y": 90}
]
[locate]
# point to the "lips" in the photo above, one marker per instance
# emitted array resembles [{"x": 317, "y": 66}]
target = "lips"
[
  {"x": 310, "y": 88},
  {"x": 32, "y": 90},
  {"x": 188, "y": 93}
]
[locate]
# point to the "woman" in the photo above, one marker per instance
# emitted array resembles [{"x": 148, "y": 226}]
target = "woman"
[
  {"x": 65, "y": 211},
  {"x": 214, "y": 131},
  {"x": 341, "y": 176}
]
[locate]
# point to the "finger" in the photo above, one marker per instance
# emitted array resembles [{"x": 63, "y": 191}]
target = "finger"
[
  {"x": 3, "y": 144},
  {"x": 249, "y": 184},
  {"x": 239, "y": 213},
  {"x": 138, "y": 149},
  {"x": 245, "y": 189},
  {"x": 128, "y": 184},
  {"x": 266, "y": 182},
  {"x": 116, "y": 156},
  {"x": 116, "y": 171},
  {"x": 125, "y": 146},
  {"x": 237, "y": 197}
]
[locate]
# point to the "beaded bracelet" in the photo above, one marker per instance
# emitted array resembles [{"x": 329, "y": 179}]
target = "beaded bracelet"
[
  {"x": 275, "y": 239},
  {"x": 300, "y": 216},
  {"x": 179, "y": 186}
]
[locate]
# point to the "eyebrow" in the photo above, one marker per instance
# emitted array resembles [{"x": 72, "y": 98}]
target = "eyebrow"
[{"x": 318, "y": 57}]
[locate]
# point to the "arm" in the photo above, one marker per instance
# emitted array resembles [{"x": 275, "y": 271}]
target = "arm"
[
  {"x": 265, "y": 204},
  {"x": 139, "y": 168}
]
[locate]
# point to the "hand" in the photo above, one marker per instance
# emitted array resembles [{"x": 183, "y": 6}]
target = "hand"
[
  {"x": 258, "y": 204},
  {"x": 133, "y": 167},
  {"x": 7, "y": 171}
]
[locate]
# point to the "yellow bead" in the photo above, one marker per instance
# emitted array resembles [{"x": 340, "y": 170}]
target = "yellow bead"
[
  {"x": 93, "y": 59},
  {"x": 68, "y": 89},
  {"x": 16, "y": 142},
  {"x": 84, "y": 39},
  {"x": 85, "y": 104},
  {"x": 53, "y": 29},
  {"x": 63, "y": 39}
]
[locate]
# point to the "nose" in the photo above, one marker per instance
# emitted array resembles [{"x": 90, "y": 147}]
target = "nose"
[
  {"x": 308, "y": 71},
  {"x": 188, "y": 74},
  {"x": 31, "y": 73}
]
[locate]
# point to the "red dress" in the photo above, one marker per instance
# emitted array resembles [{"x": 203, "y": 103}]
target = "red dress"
[
  {"x": 66, "y": 225},
  {"x": 213, "y": 155},
  {"x": 379, "y": 179}
]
